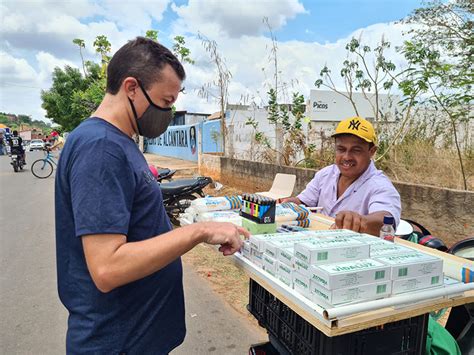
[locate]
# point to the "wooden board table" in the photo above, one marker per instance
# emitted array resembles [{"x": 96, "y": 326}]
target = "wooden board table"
[{"x": 317, "y": 316}]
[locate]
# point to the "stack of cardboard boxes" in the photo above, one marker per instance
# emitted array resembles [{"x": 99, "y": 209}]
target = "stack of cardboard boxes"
[{"x": 339, "y": 266}]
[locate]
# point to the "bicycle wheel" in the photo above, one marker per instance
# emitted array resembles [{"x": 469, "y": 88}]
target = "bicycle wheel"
[{"x": 42, "y": 168}]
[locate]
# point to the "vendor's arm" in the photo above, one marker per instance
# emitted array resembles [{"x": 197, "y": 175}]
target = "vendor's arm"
[
  {"x": 369, "y": 224},
  {"x": 112, "y": 262},
  {"x": 291, "y": 199},
  {"x": 384, "y": 200},
  {"x": 310, "y": 195}
]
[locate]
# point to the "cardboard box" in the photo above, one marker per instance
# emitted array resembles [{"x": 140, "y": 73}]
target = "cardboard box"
[
  {"x": 245, "y": 250},
  {"x": 271, "y": 246},
  {"x": 349, "y": 273},
  {"x": 270, "y": 265},
  {"x": 388, "y": 248},
  {"x": 331, "y": 250},
  {"x": 301, "y": 283},
  {"x": 332, "y": 233},
  {"x": 370, "y": 239},
  {"x": 256, "y": 257},
  {"x": 285, "y": 270},
  {"x": 287, "y": 281},
  {"x": 412, "y": 265},
  {"x": 285, "y": 274},
  {"x": 416, "y": 283},
  {"x": 257, "y": 241},
  {"x": 351, "y": 294},
  {"x": 302, "y": 267},
  {"x": 286, "y": 256}
]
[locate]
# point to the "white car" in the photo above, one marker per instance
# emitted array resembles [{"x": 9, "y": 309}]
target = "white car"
[{"x": 36, "y": 144}]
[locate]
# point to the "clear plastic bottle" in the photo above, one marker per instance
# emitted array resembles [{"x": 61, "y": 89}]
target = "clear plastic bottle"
[{"x": 387, "y": 232}]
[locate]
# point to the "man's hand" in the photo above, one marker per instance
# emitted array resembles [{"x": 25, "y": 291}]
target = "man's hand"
[
  {"x": 351, "y": 220},
  {"x": 290, "y": 199},
  {"x": 370, "y": 223},
  {"x": 227, "y": 235}
]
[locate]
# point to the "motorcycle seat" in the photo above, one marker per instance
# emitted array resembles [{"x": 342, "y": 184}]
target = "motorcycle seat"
[
  {"x": 176, "y": 186},
  {"x": 163, "y": 172}
]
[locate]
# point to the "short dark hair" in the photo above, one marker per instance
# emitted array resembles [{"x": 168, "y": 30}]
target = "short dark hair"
[
  {"x": 143, "y": 59},
  {"x": 15, "y": 132}
]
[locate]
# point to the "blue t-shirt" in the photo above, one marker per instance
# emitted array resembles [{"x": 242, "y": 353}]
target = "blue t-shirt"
[{"x": 104, "y": 186}]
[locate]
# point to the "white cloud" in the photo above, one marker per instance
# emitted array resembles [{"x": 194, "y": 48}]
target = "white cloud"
[
  {"x": 16, "y": 70},
  {"x": 234, "y": 18},
  {"x": 52, "y": 25},
  {"x": 36, "y": 36},
  {"x": 46, "y": 63},
  {"x": 21, "y": 84},
  {"x": 137, "y": 14},
  {"x": 299, "y": 63}
]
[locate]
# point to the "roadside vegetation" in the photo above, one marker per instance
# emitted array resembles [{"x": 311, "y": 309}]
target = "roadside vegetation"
[{"x": 426, "y": 139}]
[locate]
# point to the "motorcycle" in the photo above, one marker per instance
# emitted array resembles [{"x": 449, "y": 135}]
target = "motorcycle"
[
  {"x": 165, "y": 174},
  {"x": 178, "y": 194},
  {"x": 162, "y": 174},
  {"x": 17, "y": 162}
]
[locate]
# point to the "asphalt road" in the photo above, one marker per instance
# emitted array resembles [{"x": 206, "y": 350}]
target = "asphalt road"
[{"x": 32, "y": 319}]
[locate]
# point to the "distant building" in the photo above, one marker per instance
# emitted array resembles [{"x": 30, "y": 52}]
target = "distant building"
[
  {"x": 188, "y": 118},
  {"x": 329, "y": 106}
]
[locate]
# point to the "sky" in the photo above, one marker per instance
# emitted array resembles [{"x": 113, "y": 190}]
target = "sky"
[{"x": 36, "y": 36}]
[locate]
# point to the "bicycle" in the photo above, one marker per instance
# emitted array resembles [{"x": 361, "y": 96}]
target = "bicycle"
[{"x": 43, "y": 168}]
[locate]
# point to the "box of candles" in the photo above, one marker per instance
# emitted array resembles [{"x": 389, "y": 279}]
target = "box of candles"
[{"x": 259, "y": 209}]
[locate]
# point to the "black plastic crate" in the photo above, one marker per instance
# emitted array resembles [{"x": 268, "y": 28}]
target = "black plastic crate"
[{"x": 298, "y": 337}]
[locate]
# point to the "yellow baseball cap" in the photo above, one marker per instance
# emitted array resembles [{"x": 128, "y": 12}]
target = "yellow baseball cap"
[{"x": 358, "y": 127}]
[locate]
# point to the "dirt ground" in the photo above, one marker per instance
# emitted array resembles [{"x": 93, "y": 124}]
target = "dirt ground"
[{"x": 225, "y": 277}]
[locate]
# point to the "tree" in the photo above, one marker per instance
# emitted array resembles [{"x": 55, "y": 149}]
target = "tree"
[
  {"x": 365, "y": 70},
  {"x": 221, "y": 82},
  {"x": 152, "y": 34},
  {"x": 103, "y": 47},
  {"x": 293, "y": 137},
  {"x": 72, "y": 97},
  {"x": 179, "y": 50},
  {"x": 81, "y": 44},
  {"x": 440, "y": 55}
]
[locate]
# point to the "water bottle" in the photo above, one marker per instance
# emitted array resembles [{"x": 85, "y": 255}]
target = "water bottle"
[{"x": 387, "y": 232}]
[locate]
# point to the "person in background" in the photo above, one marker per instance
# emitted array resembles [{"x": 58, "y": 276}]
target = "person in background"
[
  {"x": 16, "y": 145},
  {"x": 59, "y": 143},
  {"x": 2, "y": 142},
  {"x": 352, "y": 190}
]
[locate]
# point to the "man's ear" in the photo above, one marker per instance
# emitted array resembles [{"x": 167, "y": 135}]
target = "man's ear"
[
  {"x": 372, "y": 151},
  {"x": 130, "y": 86}
]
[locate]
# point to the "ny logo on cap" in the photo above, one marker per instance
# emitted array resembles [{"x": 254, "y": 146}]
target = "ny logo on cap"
[{"x": 353, "y": 124}]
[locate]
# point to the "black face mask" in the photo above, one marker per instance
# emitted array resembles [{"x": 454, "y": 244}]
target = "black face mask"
[{"x": 155, "y": 120}]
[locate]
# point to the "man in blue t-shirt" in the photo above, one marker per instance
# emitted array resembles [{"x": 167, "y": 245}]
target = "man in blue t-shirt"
[{"x": 118, "y": 259}]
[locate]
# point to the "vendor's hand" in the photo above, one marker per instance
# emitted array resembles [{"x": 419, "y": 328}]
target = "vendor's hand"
[
  {"x": 351, "y": 220},
  {"x": 290, "y": 199},
  {"x": 227, "y": 235}
]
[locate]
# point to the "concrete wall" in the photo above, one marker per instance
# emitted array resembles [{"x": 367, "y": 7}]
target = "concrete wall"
[
  {"x": 445, "y": 212},
  {"x": 211, "y": 136},
  {"x": 240, "y": 140},
  {"x": 178, "y": 141}
]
